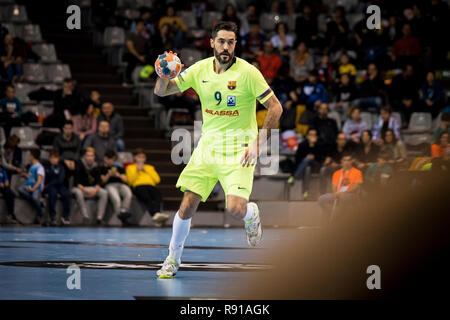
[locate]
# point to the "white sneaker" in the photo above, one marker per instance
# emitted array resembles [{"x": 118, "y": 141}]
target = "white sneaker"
[
  {"x": 169, "y": 268},
  {"x": 253, "y": 227},
  {"x": 160, "y": 217}
]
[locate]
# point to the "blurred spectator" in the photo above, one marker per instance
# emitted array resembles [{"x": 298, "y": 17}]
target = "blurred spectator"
[
  {"x": 96, "y": 100},
  {"x": 395, "y": 149},
  {"x": 354, "y": 125},
  {"x": 282, "y": 41},
  {"x": 146, "y": 17},
  {"x": 199, "y": 7},
  {"x": 370, "y": 43},
  {"x": 87, "y": 185},
  {"x": 332, "y": 162},
  {"x": 378, "y": 174},
  {"x": 432, "y": 95},
  {"x": 103, "y": 12},
  {"x": 345, "y": 66},
  {"x": 302, "y": 63},
  {"x": 250, "y": 14},
  {"x": 11, "y": 60},
  {"x": 404, "y": 92},
  {"x": 441, "y": 147},
  {"x": 115, "y": 124},
  {"x": 313, "y": 93},
  {"x": 54, "y": 185},
  {"x": 101, "y": 141},
  {"x": 306, "y": 27},
  {"x": 85, "y": 124},
  {"x": 143, "y": 178},
  {"x": 325, "y": 70},
  {"x": 326, "y": 127},
  {"x": 367, "y": 151},
  {"x": 253, "y": 42},
  {"x": 346, "y": 184},
  {"x": 163, "y": 38},
  {"x": 344, "y": 94},
  {"x": 385, "y": 121},
  {"x": 407, "y": 48},
  {"x": 67, "y": 102},
  {"x": 393, "y": 29},
  {"x": 269, "y": 62},
  {"x": 309, "y": 157},
  {"x": 8, "y": 195},
  {"x": 371, "y": 90},
  {"x": 114, "y": 180},
  {"x": 12, "y": 156},
  {"x": 68, "y": 146},
  {"x": 336, "y": 30},
  {"x": 177, "y": 25},
  {"x": 32, "y": 189},
  {"x": 230, "y": 14},
  {"x": 10, "y": 110},
  {"x": 444, "y": 127}
]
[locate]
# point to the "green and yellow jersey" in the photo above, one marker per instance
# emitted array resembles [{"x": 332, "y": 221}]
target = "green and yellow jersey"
[{"x": 228, "y": 101}]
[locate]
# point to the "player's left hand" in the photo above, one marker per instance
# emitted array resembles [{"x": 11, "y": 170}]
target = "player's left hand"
[{"x": 251, "y": 155}]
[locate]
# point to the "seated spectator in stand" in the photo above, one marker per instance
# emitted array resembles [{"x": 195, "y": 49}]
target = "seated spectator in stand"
[
  {"x": 250, "y": 14},
  {"x": 229, "y": 14},
  {"x": 313, "y": 93},
  {"x": 100, "y": 141},
  {"x": 114, "y": 180},
  {"x": 87, "y": 185},
  {"x": 441, "y": 147},
  {"x": 67, "y": 102},
  {"x": 346, "y": 184},
  {"x": 282, "y": 41},
  {"x": 406, "y": 49},
  {"x": 143, "y": 178},
  {"x": 146, "y": 16},
  {"x": 345, "y": 66},
  {"x": 136, "y": 51},
  {"x": 301, "y": 62},
  {"x": 370, "y": 92},
  {"x": 326, "y": 71},
  {"x": 367, "y": 151},
  {"x": 8, "y": 195},
  {"x": 11, "y": 60},
  {"x": 85, "y": 124},
  {"x": 444, "y": 127},
  {"x": 12, "y": 156},
  {"x": 385, "y": 121},
  {"x": 354, "y": 125},
  {"x": 177, "y": 25},
  {"x": 377, "y": 175},
  {"x": 115, "y": 124},
  {"x": 326, "y": 127},
  {"x": 337, "y": 30},
  {"x": 432, "y": 95},
  {"x": 309, "y": 157},
  {"x": 10, "y": 110},
  {"x": 404, "y": 92},
  {"x": 68, "y": 145},
  {"x": 54, "y": 185},
  {"x": 395, "y": 149},
  {"x": 32, "y": 189},
  {"x": 269, "y": 62},
  {"x": 96, "y": 100},
  {"x": 253, "y": 42},
  {"x": 344, "y": 92},
  {"x": 332, "y": 162},
  {"x": 307, "y": 27}
]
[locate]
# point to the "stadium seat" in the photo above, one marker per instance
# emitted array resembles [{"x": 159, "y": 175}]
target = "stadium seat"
[
  {"x": 2, "y": 138},
  {"x": 31, "y": 33},
  {"x": 367, "y": 117},
  {"x": 114, "y": 36},
  {"x": 11, "y": 29},
  {"x": 16, "y": 13},
  {"x": 334, "y": 115},
  {"x": 190, "y": 56},
  {"x": 209, "y": 17},
  {"x": 124, "y": 157},
  {"x": 417, "y": 139},
  {"x": 26, "y": 136},
  {"x": 22, "y": 91},
  {"x": 143, "y": 3},
  {"x": 189, "y": 19},
  {"x": 397, "y": 116},
  {"x": 33, "y": 72},
  {"x": 58, "y": 72},
  {"x": 420, "y": 122},
  {"x": 46, "y": 51}
]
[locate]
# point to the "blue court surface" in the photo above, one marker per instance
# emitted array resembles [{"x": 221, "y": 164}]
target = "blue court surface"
[{"x": 121, "y": 263}]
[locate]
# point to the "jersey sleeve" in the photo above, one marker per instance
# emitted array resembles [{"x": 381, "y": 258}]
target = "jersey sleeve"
[
  {"x": 258, "y": 85},
  {"x": 186, "y": 79}
]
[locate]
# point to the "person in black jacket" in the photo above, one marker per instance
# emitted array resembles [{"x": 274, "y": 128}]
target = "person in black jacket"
[
  {"x": 326, "y": 127},
  {"x": 309, "y": 156},
  {"x": 54, "y": 185}
]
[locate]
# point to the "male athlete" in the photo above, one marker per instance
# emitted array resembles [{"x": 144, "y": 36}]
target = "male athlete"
[{"x": 228, "y": 88}]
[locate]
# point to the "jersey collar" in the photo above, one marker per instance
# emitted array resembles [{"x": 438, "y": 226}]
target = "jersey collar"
[{"x": 231, "y": 64}]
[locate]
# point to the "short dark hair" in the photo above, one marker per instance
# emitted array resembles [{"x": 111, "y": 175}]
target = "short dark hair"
[
  {"x": 35, "y": 153},
  {"x": 110, "y": 154},
  {"x": 368, "y": 132},
  {"x": 140, "y": 21},
  {"x": 138, "y": 151},
  {"x": 286, "y": 27},
  {"x": 53, "y": 153},
  {"x": 9, "y": 85},
  {"x": 445, "y": 116},
  {"x": 68, "y": 122},
  {"x": 347, "y": 154},
  {"x": 386, "y": 108},
  {"x": 68, "y": 80},
  {"x": 224, "y": 25}
]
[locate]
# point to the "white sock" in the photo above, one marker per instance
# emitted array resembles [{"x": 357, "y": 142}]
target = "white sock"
[
  {"x": 250, "y": 213},
  {"x": 180, "y": 231}
]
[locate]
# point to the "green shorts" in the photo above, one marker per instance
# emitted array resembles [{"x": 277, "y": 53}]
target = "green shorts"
[{"x": 205, "y": 168}]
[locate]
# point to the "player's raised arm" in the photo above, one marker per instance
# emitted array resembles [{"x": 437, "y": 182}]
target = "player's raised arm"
[{"x": 167, "y": 66}]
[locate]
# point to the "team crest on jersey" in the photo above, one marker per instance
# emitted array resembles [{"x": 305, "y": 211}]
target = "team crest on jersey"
[
  {"x": 231, "y": 85},
  {"x": 231, "y": 101}
]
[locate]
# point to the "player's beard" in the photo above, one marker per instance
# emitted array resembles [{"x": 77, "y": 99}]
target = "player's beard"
[{"x": 219, "y": 57}]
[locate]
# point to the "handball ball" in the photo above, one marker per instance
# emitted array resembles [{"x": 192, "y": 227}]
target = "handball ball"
[{"x": 168, "y": 65}]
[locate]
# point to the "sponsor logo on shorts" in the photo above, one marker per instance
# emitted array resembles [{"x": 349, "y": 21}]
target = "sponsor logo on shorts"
[{"x": 230, "y": 113}]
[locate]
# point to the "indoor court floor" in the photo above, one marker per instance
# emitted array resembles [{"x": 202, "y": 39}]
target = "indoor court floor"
[{"x": 121, "y": 263}]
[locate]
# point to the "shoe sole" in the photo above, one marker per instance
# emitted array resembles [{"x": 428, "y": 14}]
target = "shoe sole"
[{"x": 163, "y": 276}]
